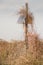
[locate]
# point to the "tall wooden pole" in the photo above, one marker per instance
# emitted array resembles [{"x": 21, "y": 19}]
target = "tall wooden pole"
[{"x": 26, "y": 26}]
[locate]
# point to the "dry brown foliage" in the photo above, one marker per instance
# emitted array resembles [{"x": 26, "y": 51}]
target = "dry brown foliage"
[{"x": 14, "y": 53}]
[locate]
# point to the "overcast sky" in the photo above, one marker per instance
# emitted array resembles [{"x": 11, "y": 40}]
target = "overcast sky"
[{"x": 9, "y": 28}]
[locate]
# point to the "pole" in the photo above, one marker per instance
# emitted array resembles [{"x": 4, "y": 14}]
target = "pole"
[{"x": 26, "y": 26}]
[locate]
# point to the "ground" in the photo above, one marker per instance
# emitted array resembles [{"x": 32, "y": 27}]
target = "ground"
[{"x": 15, "y": 53}]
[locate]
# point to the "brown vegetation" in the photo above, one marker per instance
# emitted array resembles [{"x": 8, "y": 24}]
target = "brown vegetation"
[{"x": 14, "y": 53}]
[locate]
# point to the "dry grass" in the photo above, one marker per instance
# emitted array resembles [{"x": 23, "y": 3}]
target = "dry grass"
[{"x": 14, "y": 53}]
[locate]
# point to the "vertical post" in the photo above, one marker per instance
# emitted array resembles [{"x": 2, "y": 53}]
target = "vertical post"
[{"x": 26, "y": 26}]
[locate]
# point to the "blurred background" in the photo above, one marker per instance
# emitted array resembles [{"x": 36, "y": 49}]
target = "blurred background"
[{"x": 9, "y": 28}]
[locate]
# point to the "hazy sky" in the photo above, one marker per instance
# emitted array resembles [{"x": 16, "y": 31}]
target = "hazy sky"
[{"x": 9, "y": 28}]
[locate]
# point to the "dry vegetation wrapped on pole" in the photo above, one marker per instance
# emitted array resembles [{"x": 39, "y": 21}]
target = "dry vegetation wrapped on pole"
[{"x": 26, "y": 18}]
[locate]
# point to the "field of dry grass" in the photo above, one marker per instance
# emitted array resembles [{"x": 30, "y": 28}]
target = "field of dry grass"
[{"x": 14, "y": 53}]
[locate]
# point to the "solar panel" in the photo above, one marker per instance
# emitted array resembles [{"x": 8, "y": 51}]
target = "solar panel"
[{"x": 21, "y": 19}]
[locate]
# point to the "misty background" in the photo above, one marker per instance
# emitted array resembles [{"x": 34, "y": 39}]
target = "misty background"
[{"x": 9, "y": 28}]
